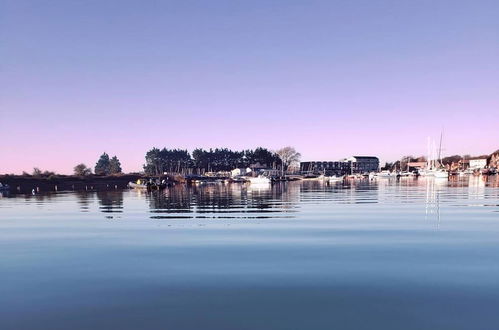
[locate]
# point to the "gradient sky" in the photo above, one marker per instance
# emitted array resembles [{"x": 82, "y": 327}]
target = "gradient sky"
[{"x": 331, "y": 78}]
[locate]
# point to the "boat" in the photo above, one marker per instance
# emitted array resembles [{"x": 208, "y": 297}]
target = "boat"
[
  {"x": 143, "y": 184},
  {"x": 310, "y": 176},
  {"x": 441, "y": 174},
  {"x": 404, "y": 174},
  {"x": 137, "y": 185},
  {"x": 423, "y": 172},
  {"x": 335, "y": 178},
  {"x": 259, "y": 180},
  {"x": 387, "y": 174},
  {"x": 323, "y": 177},
  {"x": 439, "y": 171}
]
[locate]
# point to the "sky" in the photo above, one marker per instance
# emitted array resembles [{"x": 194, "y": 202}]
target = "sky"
[{"x": 331, "y": 78}]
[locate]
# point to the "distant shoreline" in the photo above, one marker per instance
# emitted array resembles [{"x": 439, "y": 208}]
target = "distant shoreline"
[{"x": 26, "y": 184}]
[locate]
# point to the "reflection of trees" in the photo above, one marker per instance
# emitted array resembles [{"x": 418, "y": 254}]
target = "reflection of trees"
[
  {"x": 280, "y": 197},
  {"x": 173, "y": 200},
  {"x": 83, "y": 198},
  {"x": 110, "y": 201},
  {"x": 223, "y": 200},
  {"x": 40, "y": 197}
]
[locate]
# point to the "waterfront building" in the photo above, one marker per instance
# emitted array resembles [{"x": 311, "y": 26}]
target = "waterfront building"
[
  {"x": 325, "y": 167},
  {"x": 363, "y": 164},
  {"x": 416, "y": 165},
  {"x": 478, "y": 163},
  {"x": 354, "y": 164}
]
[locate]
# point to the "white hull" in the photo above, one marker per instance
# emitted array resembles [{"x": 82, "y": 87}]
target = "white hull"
[
  {"x": 136, "y": 186},
  {"x": 335, "y": 178},
  {"x": 259, "y": 180},
  {"x": 441, "y": 174}
]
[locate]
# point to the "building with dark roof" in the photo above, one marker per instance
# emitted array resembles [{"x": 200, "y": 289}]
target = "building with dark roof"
[
  {"x": 363, "y": 164},
  {"x": 354, "y": 164}
]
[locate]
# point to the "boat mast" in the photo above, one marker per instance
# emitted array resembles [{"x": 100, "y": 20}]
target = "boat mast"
[{"x": 440, "y": 150}]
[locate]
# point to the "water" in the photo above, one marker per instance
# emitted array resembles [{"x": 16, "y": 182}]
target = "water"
[{"x": 408, "y": 254}]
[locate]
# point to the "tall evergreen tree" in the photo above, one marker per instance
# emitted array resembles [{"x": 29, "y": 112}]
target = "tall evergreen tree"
[
  {"x": 114, "y": 165},
  {"x": 102, "y": 167}
]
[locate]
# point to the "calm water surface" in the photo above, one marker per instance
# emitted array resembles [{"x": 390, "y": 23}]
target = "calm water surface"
[{"x": 409, "y": 254}]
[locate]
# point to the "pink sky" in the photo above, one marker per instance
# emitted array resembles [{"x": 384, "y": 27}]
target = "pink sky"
[{"x": 332, "y": 80}]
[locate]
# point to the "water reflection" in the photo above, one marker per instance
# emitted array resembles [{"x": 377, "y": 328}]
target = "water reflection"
[
  {"x": 340, "y": 250},
  {"x": 223, "y": 201},
  {"x": 110, "y": 201},
  {"x": 282, "y": 200},
  {"x": 84, "y": 200}
]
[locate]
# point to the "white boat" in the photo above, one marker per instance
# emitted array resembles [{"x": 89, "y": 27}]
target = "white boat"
[
  {"x": 259, "y": 180},
  {"x": 406, "y": 174},
  {"x": 137, "y": 185},
  {"x": 441, "y": 174},
  {"x": 423, "y": 172},
  {"x": 467, "y": 171},
  {"x": 335, "y": 178},
  {"x": 387, "y": 174}
]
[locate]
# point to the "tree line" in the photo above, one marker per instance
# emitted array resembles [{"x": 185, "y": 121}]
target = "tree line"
[
  {"x": 159, "y": 161},
  {"x": 105, "y": 166}
]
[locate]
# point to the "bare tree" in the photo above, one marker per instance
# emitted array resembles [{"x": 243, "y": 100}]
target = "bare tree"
[
  {"x": 82, "y": 170},
  {"x": 288, "y": 156}
]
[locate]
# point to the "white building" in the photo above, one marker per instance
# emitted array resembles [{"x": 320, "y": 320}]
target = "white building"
[{"x": 478, "y": 163}]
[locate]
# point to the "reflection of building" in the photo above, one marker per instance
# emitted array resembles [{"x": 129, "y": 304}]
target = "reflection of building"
[
  {"x": 363, "y": 164},
  {"x": 478, "y": 163}
]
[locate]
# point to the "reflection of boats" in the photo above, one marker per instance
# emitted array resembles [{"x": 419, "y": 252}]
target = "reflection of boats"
[{"x": 259, "y": 180}]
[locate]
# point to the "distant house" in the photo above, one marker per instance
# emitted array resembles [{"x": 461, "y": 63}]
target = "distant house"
[
  {"x": 416, "y": 165},
  {"x": 363, "y": 164},
  {"x": 478, "y": 163}
]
